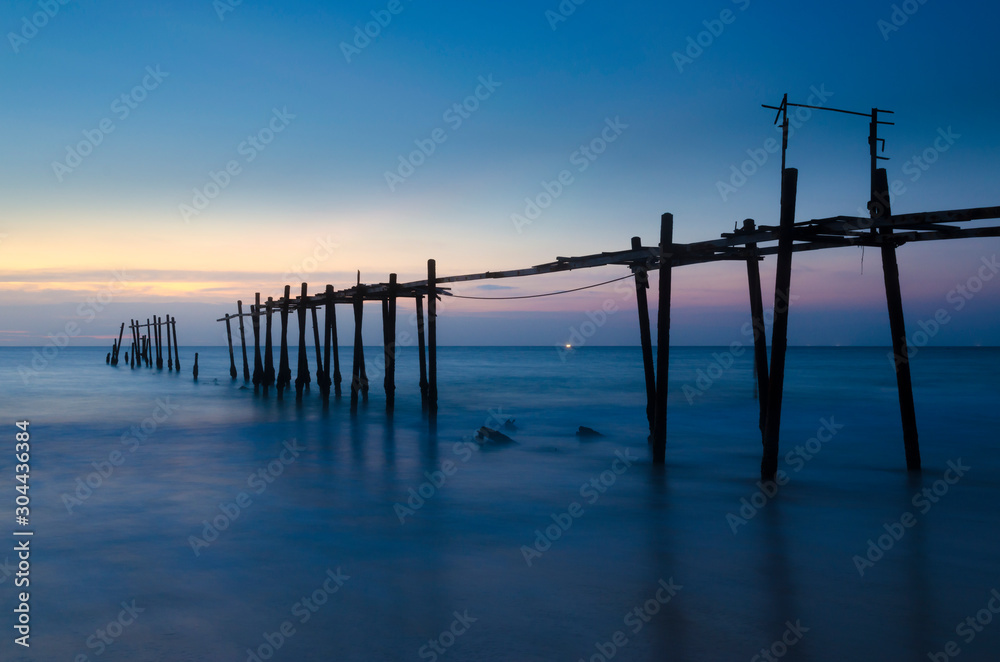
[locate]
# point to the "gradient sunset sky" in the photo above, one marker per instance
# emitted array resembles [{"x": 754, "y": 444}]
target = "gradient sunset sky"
[{"x": 116, "y": 115}]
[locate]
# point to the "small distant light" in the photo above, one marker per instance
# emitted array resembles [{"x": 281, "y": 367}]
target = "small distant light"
[{"x": 568, "y": 346}]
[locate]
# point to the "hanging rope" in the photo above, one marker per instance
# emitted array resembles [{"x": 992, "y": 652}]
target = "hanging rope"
[{"x": 547, "y": 294}]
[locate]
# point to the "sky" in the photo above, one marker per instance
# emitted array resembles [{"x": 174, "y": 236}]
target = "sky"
[{"x": 172, "y": 158}]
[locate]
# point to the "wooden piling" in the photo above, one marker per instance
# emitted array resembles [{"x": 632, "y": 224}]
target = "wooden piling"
[
  {"x": 121, "y": 332},
  {"x": 663, "y": 338},
  {"x": 243, "y": 343},
  {"x": 757, "y": 321},
  {"x": 331, "y": 314},
  {"x": 302, "y": 374},
  {"x": 421, "y": 347},
  {"x": 177, "y": 354},
  {"x": 268, "y": 347},
  {"x": 319, "y": 349},
  {"x": 432, "y": 389},
  {"x": 258, "y": 366},
  {"x": 170, "y": 357},
  {"x": 284, "y": 372},
  {"x": 390, "y": 347},
  {"x": 149, "y": 344},
  {"x": 194, "y": 371},
  {"x": 229, "y": 338},
  {"x": 881, "y": 210},
  {"x": 779, "y": 331},
  {"x": 356, "y": 369},
  {"x": 645, "y": 338},
  {"x": 159, "y": 341}
]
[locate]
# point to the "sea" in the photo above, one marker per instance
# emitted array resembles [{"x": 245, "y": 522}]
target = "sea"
[{"x": 175, "y": 519}]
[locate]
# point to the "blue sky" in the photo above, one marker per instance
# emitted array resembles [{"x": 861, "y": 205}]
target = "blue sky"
[{"x": 228, "y": 76}]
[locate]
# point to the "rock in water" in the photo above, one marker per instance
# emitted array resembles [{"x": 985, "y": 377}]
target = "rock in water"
[
  {"x": 584, "y": 431},
  {"x": 509, "y": 426},
  {"x": 485, "y": 435}
]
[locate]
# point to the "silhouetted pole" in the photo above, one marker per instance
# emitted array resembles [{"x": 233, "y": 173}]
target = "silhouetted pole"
[
  {"x": 229, "y": 338},
  {"x": 757, "y": 320},
  {"x": 331, "y": 311},
  {"x": 158, "y": 322},
  {"x": 390, "y": 348},
  {"x": 268, "y": 347},
  {"x": 319, "y": 350},
  {"x": 421, "y": 347},
  {"x": 327, "y": 343},
  {"x": 149, "y": 344},
  {"x": 284, "y": 371},
  {"x": 432, "y": 389},
  {"x": 177, "y": 355},
  {"x": 258, "y": 365},
  {"x": 243, "y": 342},
  {"x": 641, "y": 285},
  {"x": 121, "y": 332},
  {"x": 170, "y": 348},
  {"x": 135, "y": 342},
  {"x": 194, "y": 371},
  {"x": 302, "y": 376},
  {"x": 881, "y": 210},
  {"x": 359, "y": 308},
  {"x": 779, "y": 332},
  {"x": 663, "y": 338}
]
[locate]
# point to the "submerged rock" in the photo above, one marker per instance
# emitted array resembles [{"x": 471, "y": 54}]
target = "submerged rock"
[
  {"x": 485, "y": 435},
  {"x": 508, "y": 425},
  {"x": 584, "y": 431}
]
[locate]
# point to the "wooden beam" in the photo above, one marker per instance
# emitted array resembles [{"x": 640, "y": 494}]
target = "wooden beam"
[
  {"x": 284, "y": 371},
  {"x": 258, "y": 365},
  {"x": 268, "y": 346},
  {"x": 421, "y": 350},
  {"x": 759, "y": 334},
  {"x": 432, "y": 392},
  {"x": 359, "y": 311},
  {"x": 232, "y": 357},
  {"x": 663, "y": 340},
  {"x": 390, "y": 347},
  {"x": 243, "y": 343},
  {"x": 302, "y": 377},
  {"x": 645, "y": 337}
]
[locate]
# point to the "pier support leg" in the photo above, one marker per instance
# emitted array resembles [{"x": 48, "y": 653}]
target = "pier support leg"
[
  {"x": 302, "y": 373},
  {"x": 359, "y": 357},
  {"x": 229, "y": 338},
  {"x": 170, "y": 358},
  {"x": 432, "y": 389},
  {"x": 149, "y": 344},
  {"x": 779, "y": 332},
  {"x": 390, "y": 347},
  {"x": 243, "y": 343},
  {"x": 663, "y": 339},
  {"x": 319, "y": 350},
  {"x": 177, "y": 353},
  {"x": 422, "y": 350},
  {"x": 880, "y": 209},
  {"x": 641, "y": 285},
  {"x": 284, "y": 371},
  {"x": 759, "y": 334},
  {"x": 159, "y": 342},
  {"x": 258, "y": 366},
  {"x": 332, "y": 312},
  {"x": 268, "y": 346},
  {"x": 327, "y": 340}
]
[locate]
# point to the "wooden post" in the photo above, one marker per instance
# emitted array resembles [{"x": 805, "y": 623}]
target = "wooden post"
[
  {"x": 779, "y": 332},
  {"x": 170, "y": 348},
  {"x": 134, "y": 327},
  {"x": 319, "y": 350},
  {"x": 243, "y": 343},
  {"x": 327, "y": 341},
  {"x": 645, "y": 338},
  {"x": 359, "y": 358},
  {"x": 149, "y": 344},
  {"x": 158, "y": 322},
  {"x": 759, "y": 334},
  {"x": 121, "y": 332},
  {"x": 302, "y": 376},
  {"x": 663, "y": 339},
  {"x": 284, "y": 371},
  {"x": 268, "y": 346},
  {"x": 258, "y": 365},
  {"x": 432, "y": 392},
  {"x": 177, "y": 354},
  {"x": 421, "y": 347},
  {"x": 390, "y": 348},
  {"x": 229, "y": 338},
  {"x": 331, "y": 310},
  {"x": 194, "y": 371},
  {"x": 881, "y": 210}
]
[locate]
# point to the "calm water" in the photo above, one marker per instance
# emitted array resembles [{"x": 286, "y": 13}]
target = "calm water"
[{"x": 219, "y": 454}]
